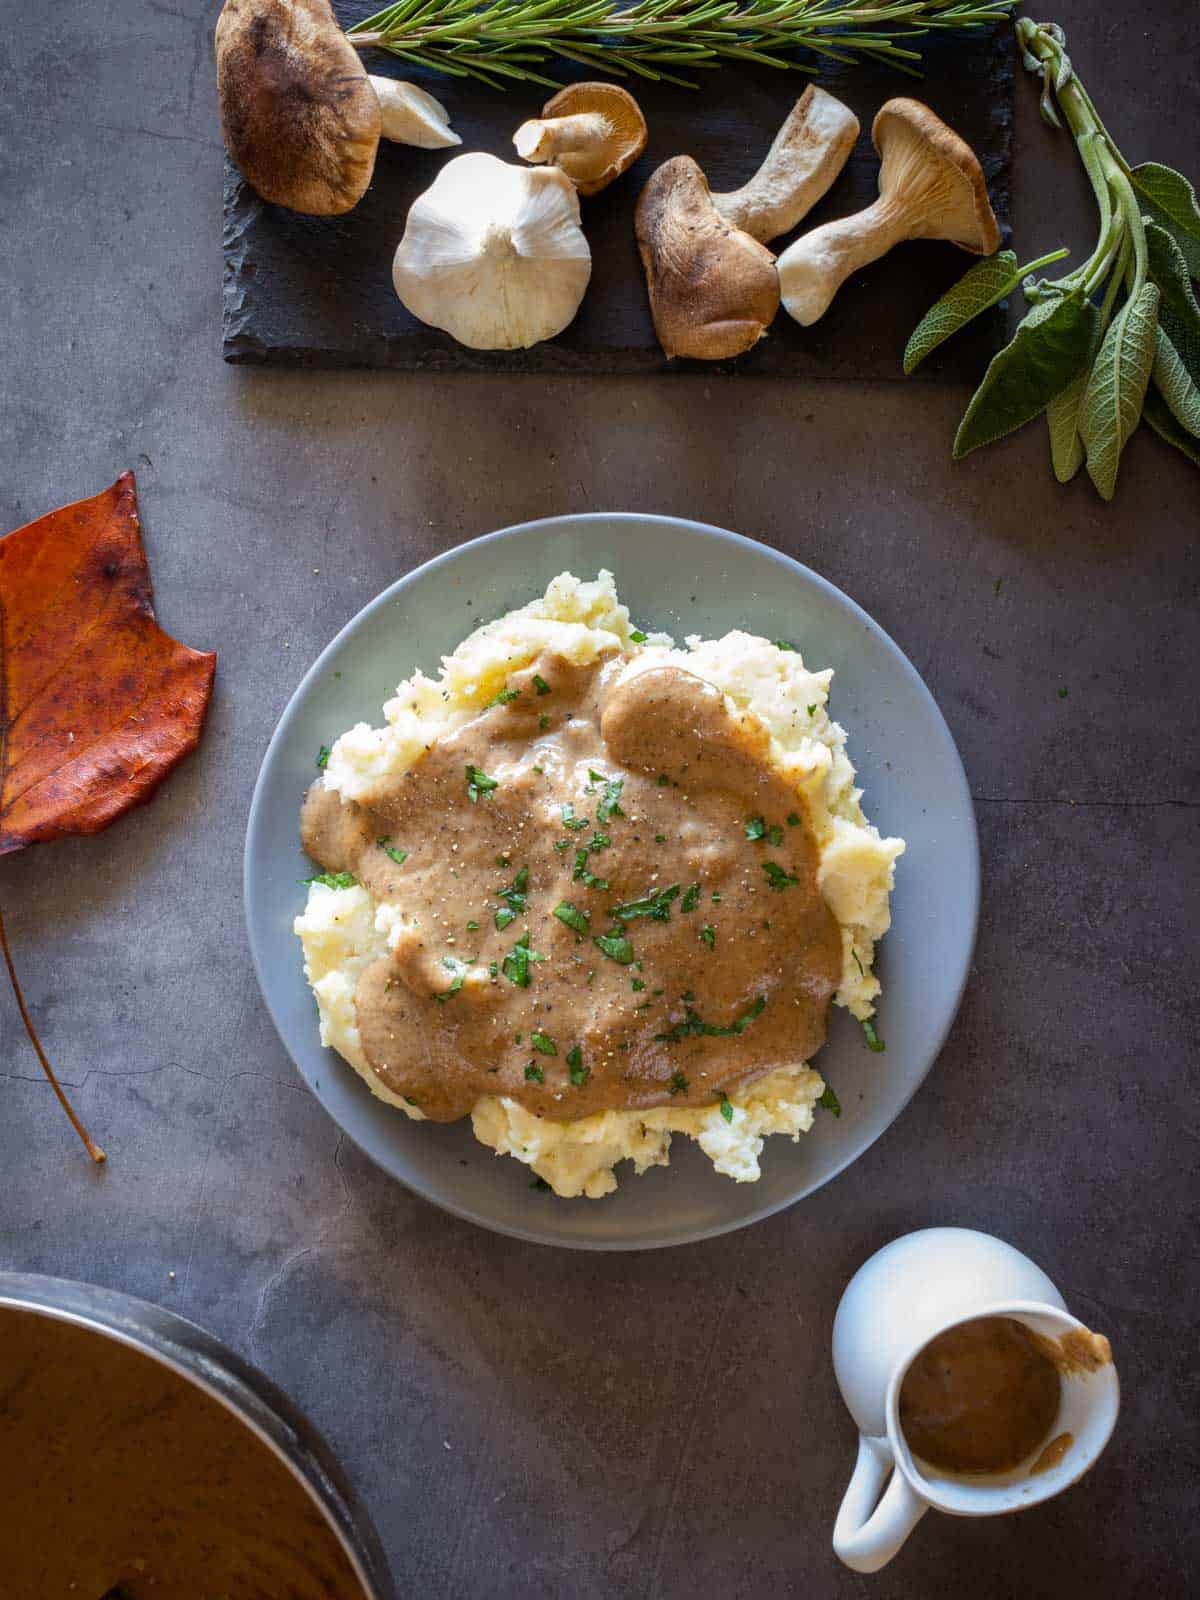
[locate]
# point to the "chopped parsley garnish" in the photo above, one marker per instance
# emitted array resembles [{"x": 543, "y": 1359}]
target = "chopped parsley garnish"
[
  {"x": 609, "y": 806},
  {"x": 708, "y": 935},
  {"x": 783, "y": 644},
  {"x": 830, "y": 1100},
  {"x": 874, "y": 1042},
  {"x": 662, "y": 780},
  {"x": 660, "y": 838},
  {"x": 543, "y": 1044},
  {"x": 478, "y": 783},
  {"x": 777, "y": 877},
  {"x": 637, "y": 636},
  {"x": 333, "y": 880},
  {"x": 389, "y": 849},
  {"x": 857, "y": 962},
  {"x": 656, "y": 906},
  {"x": 514, "y": 897},
  {"x": 570, "y": 820},
  {"x": 544, "y": 721},
  {"x": 579, "y": 1073},
  {"x": 572, "y": 916},
  {"x": 691, "y": 898},
  {"x": 793, "y": 819},
  {"x": 472, "y": 925},
  {"x": 678, "y": 1084},
  {"x": 716, "y": 898},
  {"x": 599, "y": 841},
  {"x": 726, "y": 1107},
  {"x": 812, "y": 708},
  {"x": 515, "y": 965},
  {"x": 562, "y": 844},
  {"x": 1063, "y": 693},
  {"x": 503, "y": 917},
  {"x": 693, "y": 1024},
  {"x": 758, "y": 828},
  {"x": 493, "y": 971},
  {"x": 502, "y": 699},
  {"x": 540, "y": 684},
  {"x": 534, "y": 1073},
  {"x": 615, "y": 946},
  {"x": 582, "y": 873},
  {"x": 323, "y": 755},
  {"x": 637, "y": 985},
  {"x": 458, "y": 970},
  {"x": 409, "y": 1101}
]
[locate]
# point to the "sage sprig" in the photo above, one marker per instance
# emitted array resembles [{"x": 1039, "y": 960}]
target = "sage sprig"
[{"x": 1113, "y": 341}]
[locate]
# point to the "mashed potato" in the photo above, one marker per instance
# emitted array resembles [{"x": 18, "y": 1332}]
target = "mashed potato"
[{"x": 342, "y": 930}]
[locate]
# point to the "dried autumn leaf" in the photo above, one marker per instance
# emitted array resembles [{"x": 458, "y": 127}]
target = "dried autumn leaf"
[{"x": 97, "y": 703}]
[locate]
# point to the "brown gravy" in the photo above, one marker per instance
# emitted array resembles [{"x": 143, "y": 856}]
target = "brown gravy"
[
  {"x": 981, "y": 1397},
  {"x": 685, "y": 958},
  {"x": 118, "y": 1475}
]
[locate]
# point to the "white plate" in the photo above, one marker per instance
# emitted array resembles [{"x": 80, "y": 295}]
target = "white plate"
[{"x": 685, "y": 578}]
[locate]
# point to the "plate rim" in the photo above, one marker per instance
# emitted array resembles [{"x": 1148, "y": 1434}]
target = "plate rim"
[{"x": 972, "y": 886}]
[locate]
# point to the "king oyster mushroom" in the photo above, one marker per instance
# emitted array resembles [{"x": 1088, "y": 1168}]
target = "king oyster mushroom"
[
  {"x": 930, "y": 187},
  {"x": 301, "y": 117},
  {"x": 493, "y": 253},
  {"x": 807, "y": 153},
  {"x": 593, "y": 131},
  {"x": 713, "y": 288}
]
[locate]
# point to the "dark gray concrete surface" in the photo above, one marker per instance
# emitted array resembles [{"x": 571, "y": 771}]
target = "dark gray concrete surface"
[{"x": 526, "y": 1422}]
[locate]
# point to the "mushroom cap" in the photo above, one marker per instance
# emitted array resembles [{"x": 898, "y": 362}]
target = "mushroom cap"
[
  {"x": 298, "y": 112},
  {"x": 493, "y": 253},
  {"x": 593, "y": 170},
  {"x": 714, "y": 290},
  {"x": 937, "y": 176}
]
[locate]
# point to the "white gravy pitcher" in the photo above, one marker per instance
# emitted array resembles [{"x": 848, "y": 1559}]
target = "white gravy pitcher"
[{"x": 904, "y": 1296}]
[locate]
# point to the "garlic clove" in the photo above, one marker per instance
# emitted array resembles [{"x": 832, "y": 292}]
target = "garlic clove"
[{"x": 411, "y": 115}]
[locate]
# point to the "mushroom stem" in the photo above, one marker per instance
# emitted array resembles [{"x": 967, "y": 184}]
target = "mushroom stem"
[
  {"x": 812, "y": 270},
  {"x": 807, "y": 154},
  {"x": 545, "y": 141}
]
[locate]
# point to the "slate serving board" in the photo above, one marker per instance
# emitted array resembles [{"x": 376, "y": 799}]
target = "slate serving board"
[{"x": 317, "y": 291}]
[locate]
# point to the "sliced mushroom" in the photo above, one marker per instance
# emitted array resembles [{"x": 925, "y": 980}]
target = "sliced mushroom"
[
  {"x": 301, "y": 117},
  {"x": 930, "y": 187},
  {"x": 808, "y": 152},
  {"x": 713, "y": 289},
  {"x": 593, "y": 131},
  {"x": 493, "y": 253}
]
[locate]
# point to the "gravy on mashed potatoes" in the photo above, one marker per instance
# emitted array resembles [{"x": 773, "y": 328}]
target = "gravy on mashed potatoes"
[{"x": 592, "y": 890}]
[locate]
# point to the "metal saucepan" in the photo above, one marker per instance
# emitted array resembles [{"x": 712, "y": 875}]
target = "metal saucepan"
[{"x": 200, "y": 1359}]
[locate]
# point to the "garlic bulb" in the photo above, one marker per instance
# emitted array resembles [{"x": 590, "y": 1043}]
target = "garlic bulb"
[{"x": 493, "y": 254}]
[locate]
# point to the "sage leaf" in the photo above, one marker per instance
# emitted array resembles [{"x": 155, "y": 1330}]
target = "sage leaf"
[
  {"x": 1172, "y": 203},
  {"x": 1112, "y": 403},
  {"x": 1174, "y": 383},
  {"x": 1062, "y": 417},
  {"x": 1050, "y": 349},
  {"x": 1158, "y": 415},
  {"x": 1178, "y": 313},
  {"x": 978, "y": 289}
]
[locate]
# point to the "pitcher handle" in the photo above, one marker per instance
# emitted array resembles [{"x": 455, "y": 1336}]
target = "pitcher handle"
[{"x": 868, "y": 1534}]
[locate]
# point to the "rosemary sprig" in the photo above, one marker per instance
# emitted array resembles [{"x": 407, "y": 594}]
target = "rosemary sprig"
[{"x": 509, "y": 40}]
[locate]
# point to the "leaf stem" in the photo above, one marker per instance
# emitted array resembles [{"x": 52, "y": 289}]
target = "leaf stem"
[{"x": 89, "y": 1144}]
